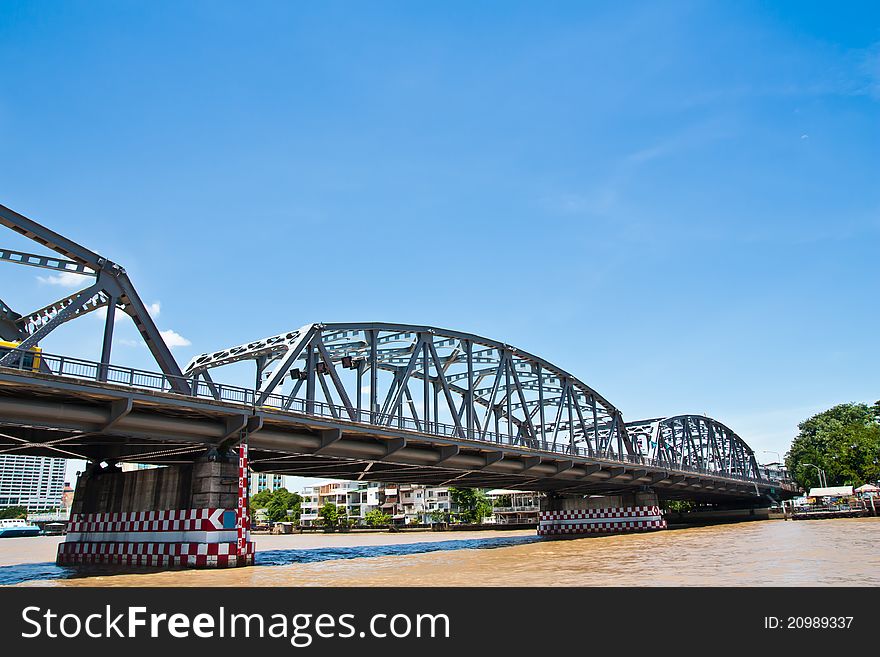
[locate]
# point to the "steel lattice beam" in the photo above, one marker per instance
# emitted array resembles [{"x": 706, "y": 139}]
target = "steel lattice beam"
[
  {"x": 695, "y": 441},
  {"x": 111, "y": 288},
  {"x": 432, "y": 378}
]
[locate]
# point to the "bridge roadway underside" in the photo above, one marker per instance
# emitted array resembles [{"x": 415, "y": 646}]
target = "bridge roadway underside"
[{"x": 59, "y": 416}]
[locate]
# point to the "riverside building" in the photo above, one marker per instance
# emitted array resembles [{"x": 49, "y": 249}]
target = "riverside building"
[{"x": 34, "y": 482}]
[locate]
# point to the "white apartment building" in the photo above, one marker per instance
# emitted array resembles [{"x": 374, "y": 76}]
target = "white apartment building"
[
  {"x": 311, "y": 496},
  {"x": 410, "y": 504},
  {"x": 356, "y": 498},
  {"x": 436, "y": 499},
  {"x": 35, "y": 482},
  {"x": 260, "y": 481},
  {"x": 407, "y": 504}
]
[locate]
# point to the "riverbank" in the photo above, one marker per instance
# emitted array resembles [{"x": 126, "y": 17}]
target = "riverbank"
[{"x": 42, "y": 549}]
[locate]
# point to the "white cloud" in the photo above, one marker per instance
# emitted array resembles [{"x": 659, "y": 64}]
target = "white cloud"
[
  {"x": 174, "y": 339},
  {"x": 64, "y": 279},
  {"x": 152, "y": 308}
]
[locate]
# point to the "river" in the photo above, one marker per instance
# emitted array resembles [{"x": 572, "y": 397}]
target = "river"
[{"x": 767, "y": 553}]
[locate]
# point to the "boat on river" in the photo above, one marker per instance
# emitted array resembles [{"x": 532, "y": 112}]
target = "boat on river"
[{"x": 10, "y": 528}]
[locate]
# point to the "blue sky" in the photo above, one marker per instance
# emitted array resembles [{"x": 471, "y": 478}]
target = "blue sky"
[{"x": 677, "y": 202}]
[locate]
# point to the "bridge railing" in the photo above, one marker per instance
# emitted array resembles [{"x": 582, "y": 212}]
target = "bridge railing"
[{"x": 78, "y": 368}]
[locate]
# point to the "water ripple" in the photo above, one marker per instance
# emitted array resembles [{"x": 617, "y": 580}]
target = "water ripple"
[{"x": 20, "y": 573}]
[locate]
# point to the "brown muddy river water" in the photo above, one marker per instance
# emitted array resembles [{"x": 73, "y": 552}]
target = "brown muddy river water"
[{"x": 770, "y": 553}]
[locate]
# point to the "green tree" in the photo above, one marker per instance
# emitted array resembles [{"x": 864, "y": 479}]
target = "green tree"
[
  {"x": 13, "y": 512},
  {"x": 503, "y": 500},
  {"x": 280, "y": 504},
  {"x": 844, "y": 441},
  {"x": 329, "y": 514},
  {"x": 376, "y": 518},
  {"x": 472, "y": 503},
  {"x": 259, "y": 501},
  {"x": 678, "y": 506},
  {"x": 284, "y": 505},
  {"x": 439, "y": 515}
]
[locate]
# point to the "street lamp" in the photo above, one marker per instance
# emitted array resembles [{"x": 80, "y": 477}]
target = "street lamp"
[
  {"x": 770, "y": 451},
  {"x": 822, "y": 481}
]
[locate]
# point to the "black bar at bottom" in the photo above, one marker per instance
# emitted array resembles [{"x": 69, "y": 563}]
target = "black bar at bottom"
[{"x": 428, "y": 621}]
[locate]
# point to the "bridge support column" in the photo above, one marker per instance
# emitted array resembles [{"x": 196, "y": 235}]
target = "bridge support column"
[
  {"x": 613, "y": 514},
  {"x": 176, "y": 516}
]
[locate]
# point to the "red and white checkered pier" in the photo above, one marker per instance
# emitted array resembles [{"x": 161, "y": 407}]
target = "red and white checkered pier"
[
  {"x": 607, "y": 520},
  {"x": 200, "y": 538},
  {"x": 192, "y": 515}
]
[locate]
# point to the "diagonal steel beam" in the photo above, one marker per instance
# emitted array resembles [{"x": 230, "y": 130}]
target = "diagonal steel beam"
[
  {"x": 49, "y": 238},
  {"x": 34, "y": 338},
  {"x": 293, "y": 352},
  {"x": 334, "y": 376},
  {"x": 449, "y": 401}
]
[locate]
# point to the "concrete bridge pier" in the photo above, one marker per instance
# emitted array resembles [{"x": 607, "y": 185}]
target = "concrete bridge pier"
[
  {"x": 625, "y": 513},
  {"x": 176, "y": 516}
]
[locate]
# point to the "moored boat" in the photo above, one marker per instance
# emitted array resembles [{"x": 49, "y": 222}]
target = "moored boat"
[{"x": 10, "y": 528}]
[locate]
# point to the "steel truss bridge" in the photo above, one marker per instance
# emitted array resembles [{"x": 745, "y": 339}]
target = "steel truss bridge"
[{"x": 365, "y": 401}]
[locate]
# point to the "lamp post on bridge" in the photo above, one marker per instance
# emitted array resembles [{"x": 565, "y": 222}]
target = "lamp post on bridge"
[{"x": 770, "y": 451}]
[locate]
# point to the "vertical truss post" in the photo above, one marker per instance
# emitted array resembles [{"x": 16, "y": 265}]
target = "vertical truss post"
[
  {"x": 426, "y": 388},
  {"x": 469, "y": 395},
  {"x": 311, "y": 366},
  {"x": 506, "y": 355},
  {"x": 436, "y": 407},
  {"x": 359, "y": 395},
  {"x": 618, "y": 423},
  {"x": 596, "y": 447},
  {"x": 541, "y": 403},
  {"x": 374, "y": 399},
  {"x": 260, "y": 363},
  {"x": 108, "y": 339}
]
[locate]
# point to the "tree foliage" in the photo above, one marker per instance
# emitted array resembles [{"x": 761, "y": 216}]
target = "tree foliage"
[
  {"x": 678, "y": 506},
  {"x": 13, "y": 512},
  {"x": 377, "y": 518},
  {"x": 439, "y": 515},
  {"x": 329, "y": 514},
  {"x": 844, "y": 441},
  {"x": 503, "y": 500},
  {"x": 280, "y": 504},
  {"x": 472, "y": 503}
]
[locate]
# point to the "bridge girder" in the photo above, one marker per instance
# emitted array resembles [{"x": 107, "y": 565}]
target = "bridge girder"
[{"x": 42, "y": 416}]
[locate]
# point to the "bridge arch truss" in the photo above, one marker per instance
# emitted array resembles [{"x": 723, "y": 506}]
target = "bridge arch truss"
[
  {"x": 433, "y": 380},
  {"x": 695, "y": 442}
]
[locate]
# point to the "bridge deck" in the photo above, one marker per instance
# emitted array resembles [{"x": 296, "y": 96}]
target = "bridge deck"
[{"x": 45, "y": 414}]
